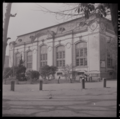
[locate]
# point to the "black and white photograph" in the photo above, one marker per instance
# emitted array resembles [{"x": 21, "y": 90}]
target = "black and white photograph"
[{"x": 60, "y": 59}]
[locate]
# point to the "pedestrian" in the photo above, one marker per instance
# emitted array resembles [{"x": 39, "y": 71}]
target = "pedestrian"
[
  {"x": 80, "y": 78},
  {"x": 58, "y": 79}
]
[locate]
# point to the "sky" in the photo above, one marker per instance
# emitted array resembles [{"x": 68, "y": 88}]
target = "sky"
[{"x": 29, "y": 18}]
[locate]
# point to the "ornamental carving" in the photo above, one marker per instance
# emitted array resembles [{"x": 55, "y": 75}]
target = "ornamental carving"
[
  {"x": 61, "y": 29},
  {"x": 68, "y": 45},
  {"x": 93, "y": 25},
  {"x": 102, "y": 27},
  {"x": 49, "y": 48},
  {"x": 20, "y": 40}
]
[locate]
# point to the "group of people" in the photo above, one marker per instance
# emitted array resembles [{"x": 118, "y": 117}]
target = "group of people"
[{"x": 85, "y": 77}]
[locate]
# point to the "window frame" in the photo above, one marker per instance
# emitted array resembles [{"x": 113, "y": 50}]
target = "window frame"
[
  {"x": 81, "y": 54},
  {"x": 43, "y": 55},
  {"x": 17, "y": 60},
  {"x": 60, "y": 56},
  {"x": 28, "y": 61}
]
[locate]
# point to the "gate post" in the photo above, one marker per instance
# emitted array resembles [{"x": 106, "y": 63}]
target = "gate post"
[
  {"x": 83, "y": 83},
  {"x": 41, "y": 83},
  {"x": 12, "y": 85},
  {"x": 104, "y": 82}
]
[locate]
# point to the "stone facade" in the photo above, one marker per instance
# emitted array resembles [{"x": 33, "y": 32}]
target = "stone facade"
[{"x": 95, "y": 32}]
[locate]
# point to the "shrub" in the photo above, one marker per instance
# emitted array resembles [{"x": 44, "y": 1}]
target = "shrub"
[
  {"x": 7, "y": 72},
  {"x": 32, "y": 75},
  {"x": 28, "y": 74}
]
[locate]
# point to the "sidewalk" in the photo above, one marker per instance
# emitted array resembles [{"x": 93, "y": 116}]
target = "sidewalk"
[{"x": 61, "y": 100}]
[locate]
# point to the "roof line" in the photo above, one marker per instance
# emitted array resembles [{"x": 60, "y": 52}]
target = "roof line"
[
  {"x": 57, "y": 25},
  {"x": 52, "y": 26}
]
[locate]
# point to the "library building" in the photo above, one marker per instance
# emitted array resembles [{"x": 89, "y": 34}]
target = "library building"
[{"x": 82, "y": 44}]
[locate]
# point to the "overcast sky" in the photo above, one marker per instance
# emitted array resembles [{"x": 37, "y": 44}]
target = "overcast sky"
[{"x": 29, "y": 18}]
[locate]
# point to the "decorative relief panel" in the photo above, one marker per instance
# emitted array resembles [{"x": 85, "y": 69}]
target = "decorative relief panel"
[
  {"x": 102, "y": 27},
  {"x": 68, "y": 45},
  {"x": 93, "y": 25}
]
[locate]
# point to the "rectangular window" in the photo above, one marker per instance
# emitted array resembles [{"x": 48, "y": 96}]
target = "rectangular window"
[
  {"x": 63, "y": 54},
  {"x": 60, "y": 58},
  {"x": 60, "y": 55},
  {"x": 43, "y": 56},
  {"x": 63, "y": 62},
  {"x": 40, "y": 57},
  {"x": 60, "y": 63},
  {"x": 77, "y": 53},
  {"x": 18, "y": 61},
  {"x": 46, "y": 56},
  {"x": 77, "y": 62},
  {"x": 57, "y": 63},
  {"x": 81, "y": 52},
  {"x": 85, "y": 61},
  {"x": 109, "y": 62},
  {"x": 85, "y": 51},
  {"x": 29, "y": 65},
  {"x": 81, "y": 61},
  {"x": 57, "y": 55}
]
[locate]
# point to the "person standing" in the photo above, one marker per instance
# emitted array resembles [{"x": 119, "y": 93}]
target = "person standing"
[
  {"x": 80, "y": 77},
  {"x": 59, "y": 79}
]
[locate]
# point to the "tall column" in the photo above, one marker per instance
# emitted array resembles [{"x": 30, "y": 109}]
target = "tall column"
[
  {"x": 53, "y": 51},
  {"x": 24, "y": 54},
  {"x": 37, "y": 55},
  {"x": 72, "y": 52},
  {"x": 13, "y": 60}
]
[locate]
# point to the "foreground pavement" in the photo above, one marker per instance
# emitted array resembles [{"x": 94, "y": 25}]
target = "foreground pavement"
[{"x": 61, "y": 100}]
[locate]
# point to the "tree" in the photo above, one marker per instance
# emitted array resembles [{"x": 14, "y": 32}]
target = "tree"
[
  {"x": 53, "y": 70},
  {"x": 34, "y": 75},
  {"x": 5, "y": 29},
  {"x": 20, "y": 73},
  {"x": 67, "y": 71},
  {"x": 78, "y": 9},
  {"x": 28, "y": 74},
  {"x": 7, "y": 72},
  {"x": 102, "y": 10},
  {"x": 45, "y": 71}
]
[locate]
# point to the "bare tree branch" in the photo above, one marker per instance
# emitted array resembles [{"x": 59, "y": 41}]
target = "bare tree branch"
[
  {"x": 59, "y": 12},
  {"x": 11, "y": 15}
]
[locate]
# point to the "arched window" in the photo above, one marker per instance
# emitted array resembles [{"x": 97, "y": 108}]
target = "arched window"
[
  {"x": 60, "y": 53},
  {"x": 29, "y": 59},
  {"x": 109, "y": 60},
  {"x": 18, "y": 57},
  {"x": 43, "y": 55},
  {"x": 81, "y": 54}
]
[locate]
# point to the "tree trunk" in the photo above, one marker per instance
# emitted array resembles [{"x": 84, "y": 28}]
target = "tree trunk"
[
  {"x": 114, "y": 16},
  {"x": 5, "y": 30}
]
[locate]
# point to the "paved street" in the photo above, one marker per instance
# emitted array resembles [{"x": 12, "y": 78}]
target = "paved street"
[{"x": 61, "y": 100}]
